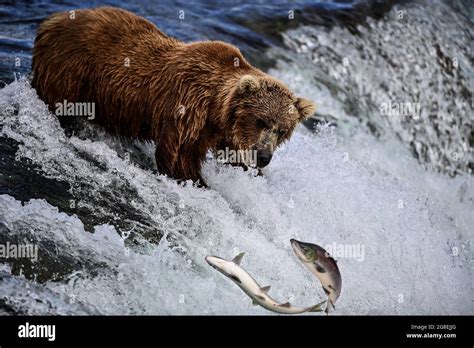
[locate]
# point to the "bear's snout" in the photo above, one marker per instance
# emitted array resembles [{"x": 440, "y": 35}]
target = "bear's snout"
[
  {"x": 263, "y": 158},
  {"x": 264, "y": 148}
]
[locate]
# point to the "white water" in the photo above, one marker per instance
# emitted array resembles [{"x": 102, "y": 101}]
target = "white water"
[
  {"x": 419, "y": 53},
  {"x": 417, "y": 240}
]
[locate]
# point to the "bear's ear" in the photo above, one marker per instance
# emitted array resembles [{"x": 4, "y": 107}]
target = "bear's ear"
[
  {"x": 248, "y": 83},
  {"x": 305, "y": 107}
]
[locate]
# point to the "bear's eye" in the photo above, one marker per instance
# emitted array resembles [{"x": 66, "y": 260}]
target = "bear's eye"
[
  {"x": 281, "y": 133},
  {"x": 261, "y": 124}
]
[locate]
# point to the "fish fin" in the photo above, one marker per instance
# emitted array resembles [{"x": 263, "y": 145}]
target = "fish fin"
[
  {"x": 266, "y": 289},
  {"x": 286, "y": 305},
  {"x": 330, "y": 304},
  {"x": 317, "y": 308},
  {"x": 254, "y": 303},
  {"x": 238, "y": 258}
]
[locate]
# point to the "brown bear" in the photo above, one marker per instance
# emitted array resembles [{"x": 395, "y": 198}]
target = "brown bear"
[{"x": 187, "y": 97}]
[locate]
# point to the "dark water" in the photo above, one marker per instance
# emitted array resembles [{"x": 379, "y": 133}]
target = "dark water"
[
  {"x": 251, "y": 25},
  {"x": 388, "y": 183}
]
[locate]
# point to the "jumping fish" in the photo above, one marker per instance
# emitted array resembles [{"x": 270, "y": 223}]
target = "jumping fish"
[
  {"x": 258, "y": 294},
  {"x": 323, "y": 266}
]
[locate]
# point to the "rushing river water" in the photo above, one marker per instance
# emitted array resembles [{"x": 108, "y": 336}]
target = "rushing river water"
[{"x": 396, "y": 188}]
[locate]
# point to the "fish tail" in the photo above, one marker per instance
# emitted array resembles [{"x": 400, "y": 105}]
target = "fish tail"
[{"x": 329, "y": 306}]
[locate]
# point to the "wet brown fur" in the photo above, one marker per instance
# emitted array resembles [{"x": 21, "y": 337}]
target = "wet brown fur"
[{"x": 186, "y": 97}]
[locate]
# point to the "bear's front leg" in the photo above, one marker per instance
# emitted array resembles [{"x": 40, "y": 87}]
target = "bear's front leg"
[
  {"x": 165, "y": 160},
  {"x": 181, "y": 164},
  {"x": 189, "y": 163}
]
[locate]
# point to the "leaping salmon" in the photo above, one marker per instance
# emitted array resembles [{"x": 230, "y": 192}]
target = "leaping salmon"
[
  {"x": 323, "y": 266},
  {"x": 258, "y": 294}
]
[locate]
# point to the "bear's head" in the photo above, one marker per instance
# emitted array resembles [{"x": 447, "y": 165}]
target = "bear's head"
[{"x": 264, "y": 115}]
